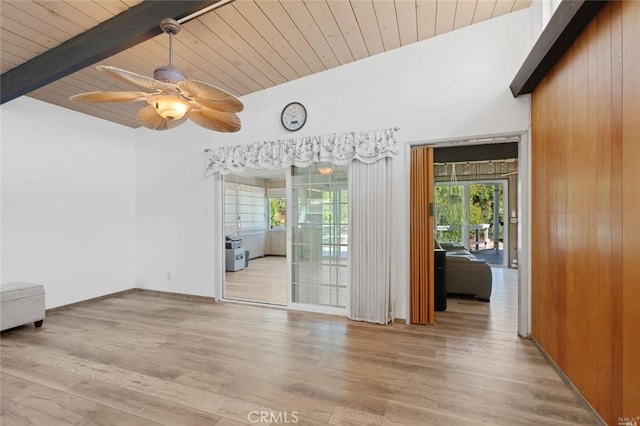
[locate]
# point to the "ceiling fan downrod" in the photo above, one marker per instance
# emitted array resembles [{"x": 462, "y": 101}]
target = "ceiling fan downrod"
[
  {"x": 169, "y": 73},
  {"x": 171, "y": 27}
]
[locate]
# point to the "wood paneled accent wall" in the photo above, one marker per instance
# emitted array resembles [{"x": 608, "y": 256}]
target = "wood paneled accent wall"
[
  {"x": 585, "y": 285},
  {"x": 421, "y": 236}
]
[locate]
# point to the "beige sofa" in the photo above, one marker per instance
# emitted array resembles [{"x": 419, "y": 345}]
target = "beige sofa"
[{"x": 466, "y": 274}]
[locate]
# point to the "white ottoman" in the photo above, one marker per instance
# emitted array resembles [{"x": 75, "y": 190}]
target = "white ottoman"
[{"x": 21, "y": 303}]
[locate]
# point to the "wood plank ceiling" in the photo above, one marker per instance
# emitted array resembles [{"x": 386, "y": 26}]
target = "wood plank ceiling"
[{"x": 242, "y": 47}]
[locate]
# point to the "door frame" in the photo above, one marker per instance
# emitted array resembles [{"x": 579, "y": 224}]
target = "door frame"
[
  {"x": 219, "y": 252},
  {"x": 523, "y": 211}
]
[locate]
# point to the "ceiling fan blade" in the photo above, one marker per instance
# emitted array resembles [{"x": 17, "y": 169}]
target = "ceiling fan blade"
[
  {"x": 101, "y": 97},
  {"x": 215, "y": 120},
  {"x": 136, "y": 79},
  {"x": 210, "y": 96},
  {"x": 149, "y": 118}
]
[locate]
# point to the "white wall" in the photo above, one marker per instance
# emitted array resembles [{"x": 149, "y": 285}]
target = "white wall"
[
  {"x": 174, "y": 212},
  {"x": 454, "y": 85},
  {"x": 540, "y": 12},
  {"x": 67, "y": 202}
]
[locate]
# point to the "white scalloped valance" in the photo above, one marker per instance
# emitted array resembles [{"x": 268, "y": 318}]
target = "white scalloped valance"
[{"x": 336, "y": 148}]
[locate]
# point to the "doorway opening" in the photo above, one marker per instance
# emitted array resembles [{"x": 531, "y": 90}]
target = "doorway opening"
[
  {"x": 421, "y": 175},
  {"x": 292, "y": 229},
  {"x": 476, "y": 204},
  {"x": 255, "y": 237}
]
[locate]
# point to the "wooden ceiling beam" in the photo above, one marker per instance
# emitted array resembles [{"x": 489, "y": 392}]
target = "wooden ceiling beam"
[
  {"x": 566, "y": 24},
  {"x": 119, "y": 33}
]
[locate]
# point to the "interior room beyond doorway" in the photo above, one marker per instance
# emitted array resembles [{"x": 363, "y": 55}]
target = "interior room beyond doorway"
[
  {"x": 255, "y": 245},
  {"x": 265, "y": 281},
  {"x": 477, "y": 199}
]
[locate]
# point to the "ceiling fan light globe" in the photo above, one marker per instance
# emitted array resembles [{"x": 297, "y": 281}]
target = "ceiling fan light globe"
[
  {"x": 325, "y": 169},
  {"x": 169, "y": 107}
]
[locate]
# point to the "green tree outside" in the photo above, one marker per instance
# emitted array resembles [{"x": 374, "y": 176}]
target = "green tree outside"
[
  {"x": 450, "y": 209},
  {"x": 278, "y": 210}
]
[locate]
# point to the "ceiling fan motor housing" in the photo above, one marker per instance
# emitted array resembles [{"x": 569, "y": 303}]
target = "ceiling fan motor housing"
[
  {"x": 169, "y": 74},
  {"x": 170, "y": 104}
]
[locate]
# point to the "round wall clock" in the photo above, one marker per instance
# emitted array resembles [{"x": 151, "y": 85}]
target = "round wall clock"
[{"x": 293, "y": 116}]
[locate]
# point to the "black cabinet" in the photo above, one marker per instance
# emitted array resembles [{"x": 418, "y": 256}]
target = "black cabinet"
[{"x": 440, "y": 280}]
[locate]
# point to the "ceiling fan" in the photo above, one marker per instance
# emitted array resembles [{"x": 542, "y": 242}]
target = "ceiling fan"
[{"x": 173, "y": 98}]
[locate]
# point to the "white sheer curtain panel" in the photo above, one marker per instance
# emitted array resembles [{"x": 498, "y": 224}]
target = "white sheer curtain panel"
[{"x": 369, "y": 242}]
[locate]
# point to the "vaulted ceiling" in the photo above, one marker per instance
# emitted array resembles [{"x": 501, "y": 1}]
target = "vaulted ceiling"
[{"x": 49, "y": 48}]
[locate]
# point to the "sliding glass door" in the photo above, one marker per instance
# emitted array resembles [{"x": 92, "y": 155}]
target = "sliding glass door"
[
  {"x": 471, "y": 214},
  {"x": 319, "y": 231}
]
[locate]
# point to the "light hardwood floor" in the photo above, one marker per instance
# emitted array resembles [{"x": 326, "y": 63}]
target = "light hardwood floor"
[
  {"x": 265, "y": 280},
  {"x": 146, "y": 358}
]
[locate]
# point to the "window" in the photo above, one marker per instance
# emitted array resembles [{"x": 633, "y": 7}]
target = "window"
[
  {"x": 244, "y": 207},
  {"x": 278, "y": 210}
]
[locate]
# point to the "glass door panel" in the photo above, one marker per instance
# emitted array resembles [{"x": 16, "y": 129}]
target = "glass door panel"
[
  {"x": 319, "y": 243},
  {"x": 471, "y": 214},
  {"x": 451, "y": 213}
]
